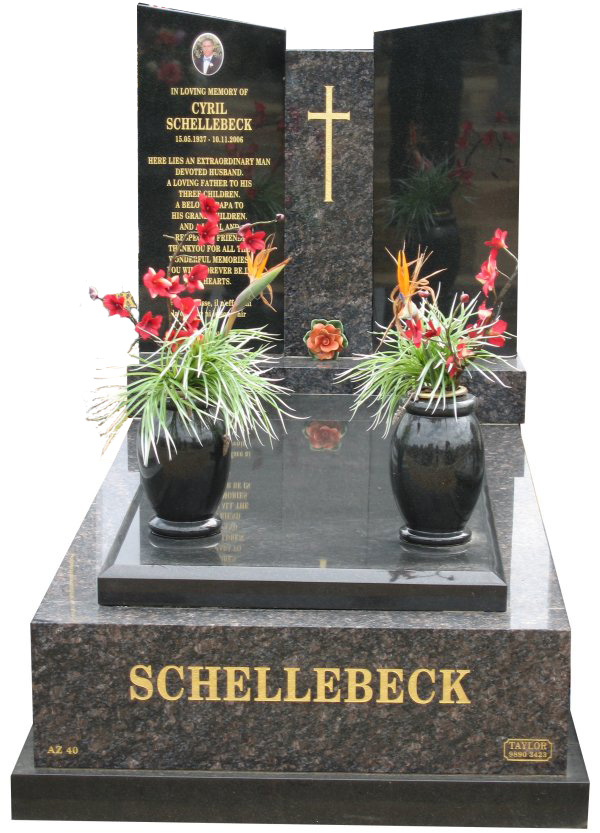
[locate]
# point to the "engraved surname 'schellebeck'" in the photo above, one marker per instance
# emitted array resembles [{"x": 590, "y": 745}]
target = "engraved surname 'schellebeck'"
[
  {"x": 527, "y": 750},
  {"x": 328, "y": 116},
  {"x": 261, "y": 684}
]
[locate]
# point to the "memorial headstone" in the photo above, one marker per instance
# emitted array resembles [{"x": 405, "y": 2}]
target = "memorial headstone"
[{"x": 418, "y": 693}]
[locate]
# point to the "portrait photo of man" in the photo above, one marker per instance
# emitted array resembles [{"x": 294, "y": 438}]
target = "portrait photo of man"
[{"x": 207, "y": 54}]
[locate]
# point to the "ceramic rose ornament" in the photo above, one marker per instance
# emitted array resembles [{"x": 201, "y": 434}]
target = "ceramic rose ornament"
[{"x": 325, "y": 339}]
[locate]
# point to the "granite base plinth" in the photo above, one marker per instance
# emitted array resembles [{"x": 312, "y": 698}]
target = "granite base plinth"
[
  {"x": 302, "y": 798},
  {"x": 300, "y": 673}
]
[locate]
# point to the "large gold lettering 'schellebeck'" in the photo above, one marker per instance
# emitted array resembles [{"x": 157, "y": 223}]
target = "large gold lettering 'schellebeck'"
[
  {"x": 262, "y": 684},
  {"x": 329, "y": 116}
]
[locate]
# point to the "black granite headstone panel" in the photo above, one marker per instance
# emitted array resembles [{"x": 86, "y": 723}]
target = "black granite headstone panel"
[
  {"x": 447, "y": 110},
  {"x": 329, "y": 209},
  {"x": 536, "y": 800},
  {"x": 216, "y": 130}
]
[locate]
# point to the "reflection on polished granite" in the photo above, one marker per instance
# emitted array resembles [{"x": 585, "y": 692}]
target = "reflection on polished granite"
[
  {"x": 311, "y": 523},
  {"x": 73, "y": 591},
  {"x": 519, "y": 660}
]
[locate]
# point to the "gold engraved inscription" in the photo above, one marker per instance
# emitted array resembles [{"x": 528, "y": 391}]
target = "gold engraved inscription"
[{"x": 263, "y": 684}]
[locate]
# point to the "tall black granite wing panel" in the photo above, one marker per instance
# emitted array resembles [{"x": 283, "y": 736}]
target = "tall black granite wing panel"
[{"x": 447, "y": 111}]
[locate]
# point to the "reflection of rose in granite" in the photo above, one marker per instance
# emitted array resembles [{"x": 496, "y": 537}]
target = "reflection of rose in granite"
[
  {"x": 325, "y": 436},
  {"x": 325, "y": 339}
]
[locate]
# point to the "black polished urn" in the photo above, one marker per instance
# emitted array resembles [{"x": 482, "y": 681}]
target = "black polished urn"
[
  {"x": 186, "y": 486},
  {"x": 437, "y": 468}
]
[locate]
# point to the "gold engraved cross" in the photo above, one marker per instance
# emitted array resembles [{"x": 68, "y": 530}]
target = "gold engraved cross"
[{"x": 329, "y": 117}]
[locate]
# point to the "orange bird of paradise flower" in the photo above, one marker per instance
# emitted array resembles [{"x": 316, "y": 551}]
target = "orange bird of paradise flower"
[
  {"x": 409, "y": 284},
  {"x": 256, "y": 263}
]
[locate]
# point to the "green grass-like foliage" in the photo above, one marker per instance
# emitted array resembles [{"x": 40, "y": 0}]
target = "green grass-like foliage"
[
  {"x": 220, "y": 377},
  {"x": 416, "y": 199},
  {"x": 399, "y": 370}
]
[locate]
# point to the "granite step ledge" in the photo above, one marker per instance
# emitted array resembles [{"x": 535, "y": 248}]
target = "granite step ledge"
[
  {"x": 496, "y": 404},
  {"x": 539, "y": 801}
]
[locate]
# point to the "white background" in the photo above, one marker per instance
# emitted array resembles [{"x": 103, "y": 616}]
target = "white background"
[{"x": 70, "y": 220}]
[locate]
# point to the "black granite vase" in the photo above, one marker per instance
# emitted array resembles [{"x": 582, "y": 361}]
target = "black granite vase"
[
  {"x": 185, "y": 490},
  {"x": 437, "y": 468}
]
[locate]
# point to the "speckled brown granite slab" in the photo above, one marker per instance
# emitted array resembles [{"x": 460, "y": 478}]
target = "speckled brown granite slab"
[
  {"x": 518, "y": 661},
  {"x": 330, "y": 242}
]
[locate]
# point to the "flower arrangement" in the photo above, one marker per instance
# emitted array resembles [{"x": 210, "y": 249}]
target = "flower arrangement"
[
  {"x": 428, "y": 187},
  {"x": 200, "y": 367},
  {"x": 424, "y": 353}
]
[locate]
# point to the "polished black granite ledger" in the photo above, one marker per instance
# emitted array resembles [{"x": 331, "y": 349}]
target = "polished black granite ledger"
[
  {"x": 322, "y": 534},
  {"x": 518, "y": 660}
]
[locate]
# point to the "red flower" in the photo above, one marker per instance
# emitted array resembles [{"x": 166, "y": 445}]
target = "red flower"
[
  {"x": 483, "y": 312},
  {"x": 414, "y": 331},
  {"x": 489, "y": 138},
  {"x": 464, "y": 298},
  {"x": 431, "y": 331},
  {"x": 177, "y": 334},
  {"x": 170, "y": 72},
  {"x": 196, "y": 277},
  {"x": 498, "y": 241},
  {"x": 189, "y": 308},
  {"x": 462, "y": 351},
  {"x": 487, "y": 276},
  {"x": 501, "y": 117},
  {"x": 451, "y": 366},
  {"x": 157, "y": 284},
  {"x": 176, "y": 287},
  {"x": 494, "y": 334},
  {"x": 462, "y": 141},
  {"x": 115, "y": 304},
  {"x": 467, "y": 127},
  {"x": 509, "y": 137},
  {"x": 207, "y": 233},
  {"x": 209, "y": 208},
  {"x": 148, "y": 326},
  {"x": 254, "y": 241}
]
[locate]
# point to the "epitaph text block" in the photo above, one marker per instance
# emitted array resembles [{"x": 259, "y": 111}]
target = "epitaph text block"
[{"x": 210, "y": 120}]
